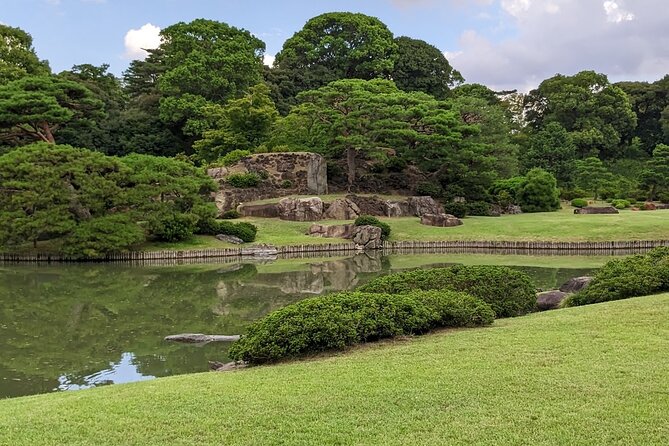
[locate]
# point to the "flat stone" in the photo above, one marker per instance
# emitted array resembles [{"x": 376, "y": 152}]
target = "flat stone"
[
  {"x": 550, "y": 300},
  {"x": 441, "y": 220},
  {"x": 270, "y": 210},
  {"x": 230, "y": 239},
  {"x": 331, "y": 231},
  {"x": 597, "y": 210}
]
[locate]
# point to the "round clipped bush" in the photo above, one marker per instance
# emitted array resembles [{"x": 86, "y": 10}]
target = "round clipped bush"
[
  {"x": 368, "y": 220},
  {"x": 509, "y": 292},
  {"x": 456, "y": 209},
  {"x": 233, "y": 157},
  {"x": 579, "y": 202},
  {"x": 232, "y": 214},
  {"x": 478, "y": 208},
  {"x": 173, "y": 227},
  {"x": 638, "y": 275},
  {"x": 333, "y": 322},
  {"x": 620, "y": 204}
]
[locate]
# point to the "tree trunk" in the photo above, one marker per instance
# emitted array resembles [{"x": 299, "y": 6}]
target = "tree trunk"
[
  {"x": 350, "y": 163},
  {"x": 46, "y": 133},
  {"x": 651, "y": 194}
]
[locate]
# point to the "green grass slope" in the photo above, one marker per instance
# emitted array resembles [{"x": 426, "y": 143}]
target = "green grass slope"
[{"x": 590, "y": 375}]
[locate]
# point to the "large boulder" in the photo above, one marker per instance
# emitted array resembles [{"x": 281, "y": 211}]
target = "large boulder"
[
  {"x": 419, "y": 206},
  {"x": 369, "y": 205},
  {"x": 331, "y": 231},
  {"x": 550, "y": 300},
  {"x": 270, "y": 210},
  {"x": 367, "y": 237},
  {"x": 597, "y": 210},
  {"x": 576, "y": 284},
  {"x": 342, "y": 209},
  {"x": 397, "y": 208},
  {"x": 301, "y": 209},
  {"x": 441, "y": 220}
]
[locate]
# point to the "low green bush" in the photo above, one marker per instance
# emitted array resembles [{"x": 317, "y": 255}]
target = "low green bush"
[
  {"x": 620, "y": 204},
  {"x": 95, "y": 238},
  {"x": 570, "y": 194},
  {"x": 333, "y": 322},
  {"x": 456, "y": 209},
  {"x": 173, "y": 227},
  {"x": 233, "y": 157},
  {"x": 245, "y": 231},
  {"x": 232, "y": 214},
  {"x": 638, "y": 275},
  {"x": 429, "y": 188},
  {"x": 368, "y": 220},
  {"x": 286, "y": 184},
  {"x": 479, "y": 208},
  {"x": 663, "y": 197},
  {"x": 579, "y": 202},
  {"x": 243, "y": 180},
  {"x": 509, "y": 292}
]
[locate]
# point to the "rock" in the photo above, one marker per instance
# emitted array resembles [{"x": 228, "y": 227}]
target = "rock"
[
  {"x": 662, "y": 206},
  {"x": 369, "y": 205},
  {"x": 496, "y": 210},
  {"x": 269, "y": 210},
  {"x": 397, "y": 208},
  {"x": 576, "y": 284},
  {"x": 513, "y": 209},
  {"x": 227, "y": 367},
  {"x": 550, "y": 300},
  {"x": 597, "y": 210},
  {"x": 419, "y": 206},
  {"x": 217, "y": 173},
  {"x": 367, "y": 237},
  {"x": 301, "y": 209},
  {"x": 441, "y": 220},
  {"x": 648, "y": 206},
  {"x": 199, "y": 338},
  {"x": 332, "y": 231},
  {"x": 230, "y": 239},
  {"x": 342, "y": 209}
]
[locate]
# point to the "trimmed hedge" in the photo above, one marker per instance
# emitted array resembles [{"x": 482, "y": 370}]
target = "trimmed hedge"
[
  {"x": 245, "y": 231},
  {"x": 368, "y": 220},
  {"x": 456, "y": 209},
  {"x": 509, "y": 292},
  {"x": 634, "y": 276},
  {"x": 579, "y": 202},
  {"x": 333, "y": 322}
]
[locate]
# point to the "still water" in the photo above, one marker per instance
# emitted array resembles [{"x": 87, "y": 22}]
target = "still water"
[{"x": 67, "y": 327}]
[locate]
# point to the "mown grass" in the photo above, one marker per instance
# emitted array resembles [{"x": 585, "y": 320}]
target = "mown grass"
[{"x": 591, "y": 375}]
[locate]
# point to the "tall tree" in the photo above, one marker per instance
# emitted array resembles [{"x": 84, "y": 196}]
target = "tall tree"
[
  {"x": 35, "y": 107},
  {"x": 17, "y": 55},
  {"x": 592, "y": 175},
  {"x": 420, "y": 66},
  {"x": 552, "y": 149},
  {"x": 656, "y": 175},
  {"x": 598, "y": 115}
]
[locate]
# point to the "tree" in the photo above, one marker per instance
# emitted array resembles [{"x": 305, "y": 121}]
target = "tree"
[
  {"x": 598, "y": 115},
  {"x": 552, "y": 149},
  {"x": 241, "y": 124},
  {"x": 539, "y": 192},
  {"x": 337, "y": 45},
  {"x": 17, "y": 56},
  {"x": 656, "y": 174},
  {"x": 592, "y": 175},
  {"x": 420, "y": 66},
  {"x": 35, "y": 107}
]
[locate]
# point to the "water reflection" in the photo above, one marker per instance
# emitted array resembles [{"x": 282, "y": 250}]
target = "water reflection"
[{"x": 65, "y": 327}]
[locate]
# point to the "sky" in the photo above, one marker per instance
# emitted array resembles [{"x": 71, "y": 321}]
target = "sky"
[{"x": 505, "y": 44}]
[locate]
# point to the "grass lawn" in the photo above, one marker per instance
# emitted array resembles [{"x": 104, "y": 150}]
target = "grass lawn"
[{"x": 590, "y": 375}]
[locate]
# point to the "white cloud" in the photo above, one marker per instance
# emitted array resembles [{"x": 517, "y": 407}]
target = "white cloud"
[
  {"x": 566, "y": 36},
  {"x": 268, "y": 60},
  {"x": 138, "y": 40}
]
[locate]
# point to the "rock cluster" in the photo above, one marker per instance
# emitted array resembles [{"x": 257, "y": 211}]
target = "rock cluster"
[
  {"x": 367, "y": 237},
  {"x": 551, "y": 300},
  {"x": 301, "y": 209},
  {"x": 441, "y": 220}
]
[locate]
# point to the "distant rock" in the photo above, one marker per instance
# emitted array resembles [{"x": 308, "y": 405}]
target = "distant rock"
[
  {"x": 342, "y": 209},
  {"x": 331, "y": 231},
  {"x": 301, "y": 209},
  {"x": 199, "y": 338},
  {"x": 441, "y": 220},
  {"x": 369, "y": 205},
  {"x": 367, "y": 237},
  {"x": 230, "y": 239},
  {"x": 550, "y": 300},
  {"x": 270, "y": 210},
  {"x": 513, "y": 209},
  {"x": 597, "y": 210},
  {"x": 397, "y": 208},
  {"x": 576, "y": 284},
  {"x": 419, "y": 206}
]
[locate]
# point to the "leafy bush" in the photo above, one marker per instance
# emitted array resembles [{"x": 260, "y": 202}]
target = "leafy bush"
[
  {"x": 243, "y": 180},
  {"x": 395, "y": 164},
  {"x": 173, "y": 227},
  {"x": 94, "y": 239},
  {"x": 368, "y": 220},
  {"x": 638, "y": 275},
  {"x": 509, "y": 292},
  {"x": 479, "y": 208},
  {"x": 286, "y": 184},
  {"x": 233, "y": 157},
  {"x": 570, "y": 194},
  {"x": 231, "y": 215},
  {"x": 539, "y": 193},
  {"x": 620, "y": 203},
  {"x": 336, "y": 321},
  {"x": 429, "y": 189},
  {"x": 245, "y": 231},
  {"x": 579, "y": 202},
  {"x": 663, "y": 197},
  {"x": 456, "y": 209}
]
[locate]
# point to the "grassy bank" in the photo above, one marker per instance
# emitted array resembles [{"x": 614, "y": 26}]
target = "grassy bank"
[{"x": 589, "y": 375}]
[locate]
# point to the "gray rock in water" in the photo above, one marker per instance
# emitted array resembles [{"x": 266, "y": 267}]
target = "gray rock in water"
[
  {"x": 550, "y": 300},
  {"x": 441, "y": 220},
  {"x": 230, "y": 239},
  {"x": 576, "y": 284},
  {"x": 199, "y": 338},
  {"x": 367, "y": 237}
]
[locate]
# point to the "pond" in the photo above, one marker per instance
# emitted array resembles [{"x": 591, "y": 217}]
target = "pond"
[{"x": 66, "y": 327}]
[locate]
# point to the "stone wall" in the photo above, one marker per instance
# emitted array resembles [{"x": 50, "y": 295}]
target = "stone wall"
[{"x": 285, "y": 173}]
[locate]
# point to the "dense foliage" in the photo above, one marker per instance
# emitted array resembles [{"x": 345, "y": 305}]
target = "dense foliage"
[
  {"x": 333, "y": 322},
  {"x": 509, "y": 292},
  {"x": 368, "y": 220}
]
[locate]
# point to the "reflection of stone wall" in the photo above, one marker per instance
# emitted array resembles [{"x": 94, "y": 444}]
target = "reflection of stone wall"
[{"x": 287, "y": 173}]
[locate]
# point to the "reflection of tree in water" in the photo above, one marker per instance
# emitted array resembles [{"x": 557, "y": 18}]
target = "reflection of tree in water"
[{"x": 75, "y": 321}]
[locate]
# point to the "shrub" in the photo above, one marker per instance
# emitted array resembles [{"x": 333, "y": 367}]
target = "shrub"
[
  {"x": 245, "y": 231},
  {"x": 570, "y": 194},
  {"x": 430, "y": 189},
  {"x": 456, "y": 209},
  {"x": 368, "y": 220},
  {"x": 638, "y": 275},
  {"x": 579, "y": 202},
  {"x": 479, "y": 208},
  {"x": 395, "y": 164},
  {"x": 243, "y": 180},
  {"x": 286, "y": 184},
  {"x": 510, "y": 185},
  {"x": 663, "y": 197},
  {"x": 336, "y": 321},
  {"x": 232, "y": 214},
  {"x": 94, "y": 239},
  {"x": 620, "y": 203},
  {"x": 539, "y": 193},
  {"x": 173, "y": 227},
  {"x": 509, "y": 292},
  {"x": 233, "y": 157}
]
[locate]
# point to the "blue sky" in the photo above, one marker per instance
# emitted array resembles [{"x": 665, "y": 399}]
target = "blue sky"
[{"x": 502, "y": 43}]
